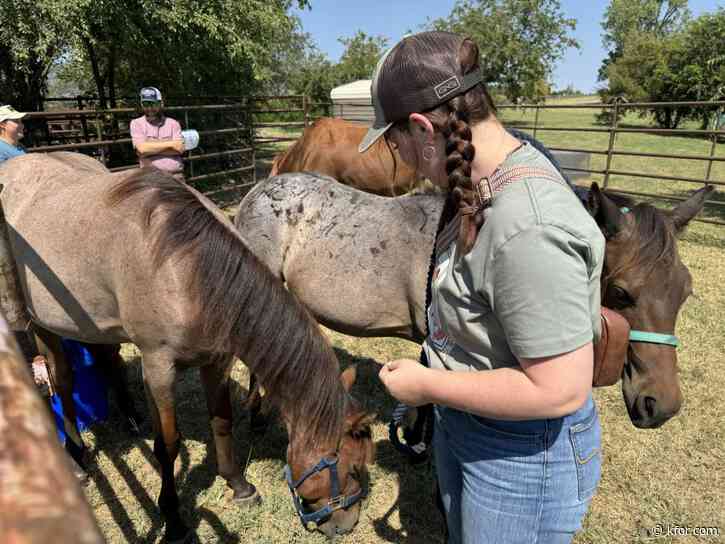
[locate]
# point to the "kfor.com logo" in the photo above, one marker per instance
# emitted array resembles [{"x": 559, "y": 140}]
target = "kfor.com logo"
[{"x": 673, "y": 530}]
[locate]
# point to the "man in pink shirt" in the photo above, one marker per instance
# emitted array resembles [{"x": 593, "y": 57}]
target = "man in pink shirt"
[{"x": 157, "y": 138}]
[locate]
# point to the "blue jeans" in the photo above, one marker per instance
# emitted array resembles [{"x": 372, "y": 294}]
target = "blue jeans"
[{"x": 510, "y": 482}]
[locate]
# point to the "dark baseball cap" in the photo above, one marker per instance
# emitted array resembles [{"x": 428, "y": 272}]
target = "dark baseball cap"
[{"x": 417, "y": 74}]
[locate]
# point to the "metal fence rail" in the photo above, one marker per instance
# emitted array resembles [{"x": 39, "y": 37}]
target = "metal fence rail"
[
  {"x": 355, "y": 111},
  {"x": 274, "y": 121},
  {"x": 226, "y": 137}
]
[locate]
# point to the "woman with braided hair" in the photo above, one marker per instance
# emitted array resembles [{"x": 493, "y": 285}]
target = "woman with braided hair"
[{"x": 514, "y": 305}]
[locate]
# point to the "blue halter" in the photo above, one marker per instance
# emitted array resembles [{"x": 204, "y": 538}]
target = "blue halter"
[
  {"x": 651, "y": 337},
  {"x": 310, "y": 520}
]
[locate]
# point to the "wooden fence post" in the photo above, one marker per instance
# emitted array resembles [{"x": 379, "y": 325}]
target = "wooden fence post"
[{"x": 536, "y": 120}]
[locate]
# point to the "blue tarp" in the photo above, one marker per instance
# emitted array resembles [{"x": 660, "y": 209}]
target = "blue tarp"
[{"x": 90, "y": 393}]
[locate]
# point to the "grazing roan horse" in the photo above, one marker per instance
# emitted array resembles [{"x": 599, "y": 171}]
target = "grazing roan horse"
[
  {"x": 360, "y": 262},
  {"x": 140, "y": 257},
  {"x": 329, "y": 147}
]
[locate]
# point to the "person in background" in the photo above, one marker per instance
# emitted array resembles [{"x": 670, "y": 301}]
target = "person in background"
[
  {"x": 156, "y": 137},
  {"x": 12, "y": 131}
]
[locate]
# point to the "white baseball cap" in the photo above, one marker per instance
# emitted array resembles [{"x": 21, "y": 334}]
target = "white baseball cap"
[{"x": 9, "y": 113}]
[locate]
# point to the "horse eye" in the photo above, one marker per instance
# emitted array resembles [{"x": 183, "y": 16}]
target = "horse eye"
[{"x": 619, "y": 298}]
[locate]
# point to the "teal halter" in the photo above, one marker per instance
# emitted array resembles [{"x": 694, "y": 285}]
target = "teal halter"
[
  {"x": 651, "y": 337},
  {"x": 654, "y": 338}
]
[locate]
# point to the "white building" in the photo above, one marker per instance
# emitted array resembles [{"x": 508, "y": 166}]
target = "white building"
[{"x": 352, "y": 102}]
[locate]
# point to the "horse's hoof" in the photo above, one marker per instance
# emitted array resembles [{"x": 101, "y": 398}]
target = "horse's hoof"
[
  {"x": 179, "y": 535},
  {"x": 244, "y": 498}
]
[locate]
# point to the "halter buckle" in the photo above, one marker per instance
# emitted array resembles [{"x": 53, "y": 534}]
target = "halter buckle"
[
  {"x": 484, "y": 192},
  {"x": 336, "y": 502}
]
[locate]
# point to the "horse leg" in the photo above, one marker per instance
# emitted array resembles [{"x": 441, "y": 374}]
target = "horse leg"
[
  {"x": 258, "y": 421},
  {"x": 61, "y": 372},
  {"x": 109, "y": 361},
  {"x": 215, "y": 378},
  {"x": 159, "y": 375}
]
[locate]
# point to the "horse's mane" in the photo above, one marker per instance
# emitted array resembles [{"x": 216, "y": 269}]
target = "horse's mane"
[
  {"x": 652, "y": 239},
  {"x": 243, "y": 308}
]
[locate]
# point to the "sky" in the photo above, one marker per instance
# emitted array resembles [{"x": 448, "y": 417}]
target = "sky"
[{"x": 329, "y": 20}]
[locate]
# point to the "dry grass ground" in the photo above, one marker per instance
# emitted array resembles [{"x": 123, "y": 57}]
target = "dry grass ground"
[{"x": 672, "y": 476}]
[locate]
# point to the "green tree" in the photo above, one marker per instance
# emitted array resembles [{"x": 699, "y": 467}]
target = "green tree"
[
  {"x": 360, "y": 57},
  {"x": 309, "y": 71},
  {"x": 520, "y": 41},
  {"x": 185, "y": 47},
  {"x": 643, "y": 72},
  {"x": 681, "y": 66},
  {"x": 658, "y": 18},
  {"x": 31, "y": 38}
]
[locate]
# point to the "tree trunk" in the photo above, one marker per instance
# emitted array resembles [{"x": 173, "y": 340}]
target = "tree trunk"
[{"x": 97, "y": 76}]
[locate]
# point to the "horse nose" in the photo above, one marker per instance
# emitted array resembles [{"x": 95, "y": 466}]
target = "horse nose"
[{"x": 649, "y": 413}]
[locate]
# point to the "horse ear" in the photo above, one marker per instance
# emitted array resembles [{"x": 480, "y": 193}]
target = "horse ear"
[
  {"x": 685, "y": 211},
  {"x": 605, "y": 212},
  {"x": 348, "y": 377}
]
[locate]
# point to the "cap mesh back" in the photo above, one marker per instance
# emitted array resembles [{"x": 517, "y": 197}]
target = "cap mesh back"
[{"x": 411, "y": 77}]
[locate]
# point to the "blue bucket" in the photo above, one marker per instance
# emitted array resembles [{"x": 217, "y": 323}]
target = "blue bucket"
[{"x": 90, "y": 390}]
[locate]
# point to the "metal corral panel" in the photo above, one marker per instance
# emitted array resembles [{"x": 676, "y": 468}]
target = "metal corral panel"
[
  {"x": 578, "y": 160},
  {"x": 352, "y": 102}
]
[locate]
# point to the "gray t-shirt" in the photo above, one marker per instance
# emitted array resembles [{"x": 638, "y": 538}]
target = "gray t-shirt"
[{"x": 530, "y": 285}]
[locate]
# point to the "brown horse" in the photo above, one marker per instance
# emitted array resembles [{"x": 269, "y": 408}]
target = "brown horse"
[
  {"x": 359, "y": 262},
  {"x": 329, "y": 146},
  {"x": 139, "y": 257}
]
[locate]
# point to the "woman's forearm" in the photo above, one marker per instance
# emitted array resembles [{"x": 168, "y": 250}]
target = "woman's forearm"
[
  {"x": 510, "y": 393},
  {"x": 159, "y": 147}
]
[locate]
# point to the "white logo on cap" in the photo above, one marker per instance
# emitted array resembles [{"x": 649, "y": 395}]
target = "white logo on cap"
[{"x": 447, "y": 87}]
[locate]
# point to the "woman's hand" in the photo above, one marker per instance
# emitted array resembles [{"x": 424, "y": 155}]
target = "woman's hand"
[{"x": 407, "y": 381}]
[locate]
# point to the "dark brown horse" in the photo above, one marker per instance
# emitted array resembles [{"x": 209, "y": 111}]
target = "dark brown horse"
[
  {"x": 329, "y": 147},
  {"x": 359, "y": 262},
  {"x": 140, "y": 257}
]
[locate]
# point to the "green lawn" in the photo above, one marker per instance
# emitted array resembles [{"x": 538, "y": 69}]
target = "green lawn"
[{"x": 630, "y": 142}]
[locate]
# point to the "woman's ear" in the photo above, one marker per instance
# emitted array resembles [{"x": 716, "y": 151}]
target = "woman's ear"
[{"x": 419, "y": 124}]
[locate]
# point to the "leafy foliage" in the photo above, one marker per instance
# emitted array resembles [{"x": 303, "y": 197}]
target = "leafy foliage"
[
  {"x": 31, "y": 36},
  {"x": 519, "y": 40},
  {"x": 185, "y": 46},
  {"x": 675, "y": 65},
  {"x": 315, "y": 75}
]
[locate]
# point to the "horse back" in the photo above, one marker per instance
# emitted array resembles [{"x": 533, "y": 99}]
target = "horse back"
[
  {"x": 330, "y": 147},
  {"x": 83, "y": 267}
]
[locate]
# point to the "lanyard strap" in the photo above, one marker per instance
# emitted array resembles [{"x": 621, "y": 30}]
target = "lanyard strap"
[{"x": 485, "y": 190}]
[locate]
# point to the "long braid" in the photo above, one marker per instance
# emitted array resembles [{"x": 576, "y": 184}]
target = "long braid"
[{"x": 460, "y": 153}]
